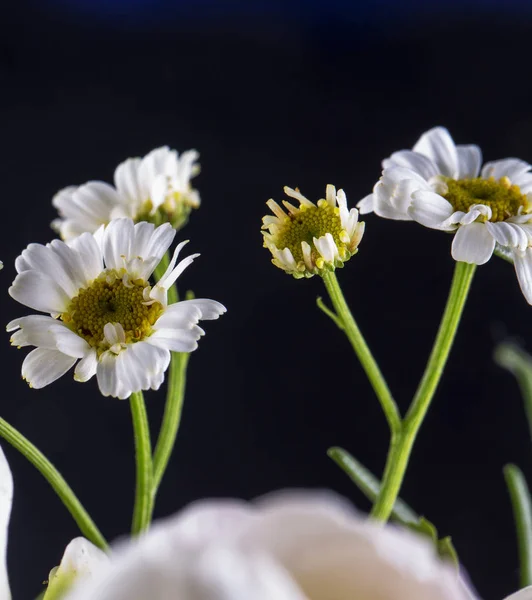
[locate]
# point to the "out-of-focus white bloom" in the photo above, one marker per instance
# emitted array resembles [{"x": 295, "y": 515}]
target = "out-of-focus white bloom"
[
  {"x": 103, "y": 309},
  {"x": 155, "y": 188},
  {"x": 80, "y": 562},
  {"x": 6, "y": 499},
  {"x": 442, "y": 186},
  {"x": 524, "y": 594},
  {"x": 309, "y": 238},
  {"x": 289, "y": 547}
]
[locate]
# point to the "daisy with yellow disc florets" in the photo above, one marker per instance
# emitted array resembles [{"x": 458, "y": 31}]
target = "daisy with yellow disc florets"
[
  {"x": 103, "y": 312},
  {"x": 155, "y": 188},
  {"x": 442, "y": 186},
  {"x": 310, "y": 238}
]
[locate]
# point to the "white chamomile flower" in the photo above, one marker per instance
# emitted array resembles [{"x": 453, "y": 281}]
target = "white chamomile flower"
[
  {"x": 104, "y": 312},
  {"x": 155, "y": 188},
  {"x": 310, "y": 238},
  {"x": 442, "y": 186}
]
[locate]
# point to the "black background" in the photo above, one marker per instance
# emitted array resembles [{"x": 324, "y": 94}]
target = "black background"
[{"x": 272, "y": 99}]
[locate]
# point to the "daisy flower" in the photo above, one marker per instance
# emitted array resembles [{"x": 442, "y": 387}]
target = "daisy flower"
[
  {"x": 155, "y": 188},
  {"x": 442, "y": 186},
  {"x": 311, "y": 237},
  {"x": 103, "y": 310}
]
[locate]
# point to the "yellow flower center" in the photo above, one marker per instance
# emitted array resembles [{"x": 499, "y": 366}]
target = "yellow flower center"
[
  {"x": 108, "y": 300},
  {"x": 309, "y": 223},
  {"x": 504, "y": 199}
]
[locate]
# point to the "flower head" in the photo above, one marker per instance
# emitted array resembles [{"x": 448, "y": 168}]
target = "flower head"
[
  {"x": 311, "y": 237},
  {"x": 103, "y": 310},
  {"x": 442, "y": 186},
  {"x": 275, "y": 549},
  {"x": 155, "y": 188}
]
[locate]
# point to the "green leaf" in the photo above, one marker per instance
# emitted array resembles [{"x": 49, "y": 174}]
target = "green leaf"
[
  {"x": 522, "y": 508},
  {"x": 369, "y": 485},
  {"x": 512, "y": 357}
]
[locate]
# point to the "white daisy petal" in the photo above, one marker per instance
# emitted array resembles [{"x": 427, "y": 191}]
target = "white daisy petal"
[
  {"x": 141, "y": 364},
  {"x": 438, "y": 145},
  {"x": 86, "y": 367},
  {"x": 210, "y": 309},
  {"x": 176, "y": 340},
  {"x": 36, "y": 330},
  {"x": 469, "y": 161},
  {"x": 473, "y": 244},
  {"x": 159, "y": 242},
  {"x": 39, "y": 292},
  {"x": 181, "y": 315},
  {"x": 431, "y": 210},
  {"x": 508, "y": 234},
  {"x": 127, "y": 182},
  {"x": 117, "y": 241},
  {"x": 54, "y": 261},
  {"x": 419, "y": 163},
  {"x": 90, "y": 254},
  {"x": 508, "y": 167},
  {"x": 42, "y": 366},
  {"x": 523, "y": 269},
  {"x": 326, "y": 247},
  {"x": 6, "y": 500},
  {"x": 84, "y": 208},
  {"x": 106, "y": 374},
  {"x": 366, "y": 205}
]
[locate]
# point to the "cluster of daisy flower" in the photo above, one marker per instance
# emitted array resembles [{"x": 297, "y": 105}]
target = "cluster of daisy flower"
[
  {"x": 101, "y": 309},
  {"x": 107, "y": 308},
  {"x": 438, "y": 184}
]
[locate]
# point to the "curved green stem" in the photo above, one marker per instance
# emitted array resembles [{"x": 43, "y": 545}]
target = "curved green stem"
[
  {"x": 399, "y": 454},
  {"x": 363, "y": 352},
  {"x": 56, "y": 480},
  {"x": 172, "y": 416},
  {"x": 522, "y": 507},
  {"x": 144, "y": 487}
]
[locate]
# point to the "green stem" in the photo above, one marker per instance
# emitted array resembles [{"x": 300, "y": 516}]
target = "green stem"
[
  {"x": 144, "y": 488},
  {"x": 522, "y": 508},
  {"x": 56, "y": 480},
  {"x": 399, "y": 455},
  {"x": 517, "y": 361},
  {"x": 172, "y": 416},
  {"x": 363, "y": 352}
]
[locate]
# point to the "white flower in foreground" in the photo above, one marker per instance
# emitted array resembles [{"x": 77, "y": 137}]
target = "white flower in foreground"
[
  {"x": 155, "y": 188},
  {"x": 6, "y": 499},
  {"x": 290, "y": 547},
  {"x": 104, "y": 310},
  {"x": 80, "y": 562},
  {"x": 442, "y": 186},
  {"x": 524, "y": 594},
  {"x": 309, "y": 238}
]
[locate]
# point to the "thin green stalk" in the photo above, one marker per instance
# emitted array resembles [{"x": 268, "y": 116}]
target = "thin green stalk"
[
  {"x": 363, "y": 352},
  {"x": 172, "y": 416},
  {"x": 144, "y": 487},
  {"x": 517, "y": 361},
  {"x": 399, "y": 455},
  {"x": 522, "y": 507},
  {"x": 56, "y": 480}
]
